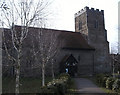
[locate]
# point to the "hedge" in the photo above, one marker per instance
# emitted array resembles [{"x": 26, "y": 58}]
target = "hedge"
[
  {"x": 103, "y": 83},
  {"x": 116, "y": 85},
  {"x": 57, "y": 86},
  {"x": 101, "y": 79},
  {"x": 108, "y": 82}
]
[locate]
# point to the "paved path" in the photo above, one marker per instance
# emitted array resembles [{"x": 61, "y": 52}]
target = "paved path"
[{"x": 87, "y": 86}]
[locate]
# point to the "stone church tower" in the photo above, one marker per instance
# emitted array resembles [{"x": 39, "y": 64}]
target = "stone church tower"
[{"x": 90, "y": 23}]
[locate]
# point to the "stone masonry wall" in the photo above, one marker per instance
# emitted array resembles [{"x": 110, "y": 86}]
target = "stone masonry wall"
[{"x": 96, "y": 35}]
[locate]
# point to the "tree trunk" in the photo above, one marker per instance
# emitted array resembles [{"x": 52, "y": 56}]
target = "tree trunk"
[
  {"x": 17, "y": 78},
  {"x": 17, "y": 89},
  {"x": 43, "y": 74},
  {"x": 17, "y": 81},
  {"x": 53, "y": 76}
]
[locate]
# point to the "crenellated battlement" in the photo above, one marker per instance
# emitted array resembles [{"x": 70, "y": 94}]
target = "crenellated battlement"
[{"x": 88, "y": 9}]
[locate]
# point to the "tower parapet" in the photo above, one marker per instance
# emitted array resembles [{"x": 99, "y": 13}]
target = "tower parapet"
[{"x": 88, "y": 9}]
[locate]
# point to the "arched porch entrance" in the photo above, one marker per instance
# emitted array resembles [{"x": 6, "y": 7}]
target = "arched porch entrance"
[{"x": 69, "y": 65}]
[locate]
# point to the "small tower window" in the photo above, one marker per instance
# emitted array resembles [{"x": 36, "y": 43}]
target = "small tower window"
[
  {"x": 80, "y": 25},
  {"x": 79, "y": 58},
  {"x": 96, "y": 24},
  {"x": 106, "y": 35}
]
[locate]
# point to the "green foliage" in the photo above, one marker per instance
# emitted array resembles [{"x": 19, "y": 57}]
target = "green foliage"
[
  {"x": 58, "y": 86},
  {"x": 103, "y": 83},
  {"x": 64, "y": 75},
  {"x": 109, "y": 82},
  {"x": 118, "y": 90},
  {"x": 101, "y": 79},
  {"x": 44, "y": 89},
  {"x": 116, "y": 85}
]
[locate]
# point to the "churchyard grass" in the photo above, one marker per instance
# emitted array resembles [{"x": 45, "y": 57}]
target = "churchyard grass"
[{"x": 27, "y": 85}]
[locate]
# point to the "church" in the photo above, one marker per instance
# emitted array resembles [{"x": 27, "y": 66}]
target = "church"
[{"x": 83, "y": 52}]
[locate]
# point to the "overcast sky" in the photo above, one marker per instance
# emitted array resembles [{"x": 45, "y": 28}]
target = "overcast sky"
[{"x": 64, "y": 11}]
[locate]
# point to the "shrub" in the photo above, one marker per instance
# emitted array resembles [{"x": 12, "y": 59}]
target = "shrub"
[
  {"x": 101, "y": 79},
  {"x": 64, "y": 75},
  {"x": 109, "y": 82},
  {"x": 118, "y": 90},
  {"x": 59, "y": 86},
  {"x": 103, "y": 83},
  {"x": 44, "y": 89},
  {"x": 116, "y": 85},
  {"x": 97, "y": 79}
]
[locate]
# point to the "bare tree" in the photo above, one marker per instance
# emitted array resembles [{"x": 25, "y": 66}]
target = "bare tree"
[
  {"x": 52, "y": 68},
  {"x": 47, "y": 49},
  {"x": 114, "y": 48},
  {"x": 24, "y": 13},
  {"x": 119, "y": 45}
]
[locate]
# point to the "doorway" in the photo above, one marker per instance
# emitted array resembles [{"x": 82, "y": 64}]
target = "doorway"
[{"x": 69, "y": 65}]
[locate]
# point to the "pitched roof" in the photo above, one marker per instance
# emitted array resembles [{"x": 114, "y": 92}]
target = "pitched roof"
[
  {"x": 71, "y": 40},
  {"x": 74, "y": 40}
]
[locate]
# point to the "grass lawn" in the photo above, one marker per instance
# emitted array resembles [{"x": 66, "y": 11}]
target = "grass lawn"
[
  {"x": 108, "y": 91},
  {"x": 27, "y": 85}
]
